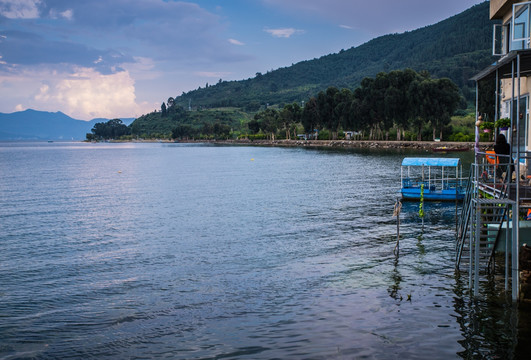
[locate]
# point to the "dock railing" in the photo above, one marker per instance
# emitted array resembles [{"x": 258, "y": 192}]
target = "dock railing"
[
  {"x": 462, "y": 226},
  {"x": 484, "y": 210}
]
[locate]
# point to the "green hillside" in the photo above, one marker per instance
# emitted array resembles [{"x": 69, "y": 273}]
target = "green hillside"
[
  {"x": 457, "y": 48},
  {"x": 201, "y": 121}
]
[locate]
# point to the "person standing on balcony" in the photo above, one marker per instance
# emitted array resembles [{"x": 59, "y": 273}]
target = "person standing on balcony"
[{"x": 503, "y": 148}]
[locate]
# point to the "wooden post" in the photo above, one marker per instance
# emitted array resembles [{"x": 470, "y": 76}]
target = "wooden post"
[{"x": 396, "y": 212}]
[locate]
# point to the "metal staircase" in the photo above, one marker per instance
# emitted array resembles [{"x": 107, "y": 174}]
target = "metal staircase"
[
  {"x": 463, "y": 224},
  {"x": 485, "y": 208}
]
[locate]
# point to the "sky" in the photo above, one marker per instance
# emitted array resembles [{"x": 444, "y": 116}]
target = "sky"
[{"x": 123, "y": 58}]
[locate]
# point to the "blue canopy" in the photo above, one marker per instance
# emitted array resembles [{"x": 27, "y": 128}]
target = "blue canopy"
[{"x": 409, "y": 161}]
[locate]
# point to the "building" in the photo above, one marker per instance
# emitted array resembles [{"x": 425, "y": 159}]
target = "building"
[{"x": 499, "y": 195}]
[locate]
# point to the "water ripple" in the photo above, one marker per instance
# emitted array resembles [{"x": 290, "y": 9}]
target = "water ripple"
[{"x": 188, "y": 252}]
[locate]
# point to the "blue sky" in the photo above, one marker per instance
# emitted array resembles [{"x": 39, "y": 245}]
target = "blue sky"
[{"x": 122, "y": 58}]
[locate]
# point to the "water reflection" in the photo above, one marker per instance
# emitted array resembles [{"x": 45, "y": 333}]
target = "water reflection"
[
  {"x": 396, "y": 279},
  {"x": 420, "y": 245},
  {"x": 492, "y": 326}
]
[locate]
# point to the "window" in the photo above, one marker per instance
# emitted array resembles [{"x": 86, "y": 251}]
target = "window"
[
  {"x": 520, "y": 26},
  {"x": 501, "y": 38},
  {"x": 520, "y": 117}
]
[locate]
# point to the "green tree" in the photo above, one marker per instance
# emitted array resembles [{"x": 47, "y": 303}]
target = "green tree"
[
  {"x": 310, "y": 116},
  {"x": 343, "y": 100},
  {"x": 416, "y": 93},
  {"x": 112, "y": 129},
  {"x": 254, "y": 126},
  {"x": 183, "y": 131},
  {"x": 290, "y": 114},
  {"x": 445, "y": 103},
  {"x": 269, "y": 121},
  {"x": 170, "y": 102}
]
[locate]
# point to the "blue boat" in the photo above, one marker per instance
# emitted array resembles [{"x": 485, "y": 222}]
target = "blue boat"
[{"x": 442, "y": 179}]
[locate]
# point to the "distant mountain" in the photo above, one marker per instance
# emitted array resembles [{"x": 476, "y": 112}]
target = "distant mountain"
[
  {"x": 41, "y": 125},
  {"x": 457, "y": 48}
]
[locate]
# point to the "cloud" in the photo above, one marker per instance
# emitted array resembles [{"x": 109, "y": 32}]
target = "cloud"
[
  {"x": 67, "y": 14},
  {"x": 117, "y": 30},
  {"x": 27, "y": 48},
  {"x": 95, "y": 55},
  {"x": 283, "y": 33},
  {"x": 82, "y": 93},
  {"x": 236, "y": 42},
  {"x": 87, "y": 92},
  {"x": 378, "y": 17},
  {"x": 20, "y": 9}
]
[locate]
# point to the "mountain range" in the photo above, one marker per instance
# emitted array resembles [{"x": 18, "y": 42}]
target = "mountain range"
[
  {"x": 456, "y": 48},
  {"x": 41, "y": 125}
]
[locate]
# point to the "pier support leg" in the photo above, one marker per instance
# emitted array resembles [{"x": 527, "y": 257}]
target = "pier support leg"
[{"x": 514, "y": 256}]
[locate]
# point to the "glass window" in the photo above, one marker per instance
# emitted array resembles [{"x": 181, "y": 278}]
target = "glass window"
[
  {"x": 520, "y": 26},
  {"x": 501, "y": 39},
  {"x": 523, "y": 116}
]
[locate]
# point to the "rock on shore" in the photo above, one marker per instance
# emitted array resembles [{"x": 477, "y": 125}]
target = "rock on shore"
[{"x": 364, "y": 144}]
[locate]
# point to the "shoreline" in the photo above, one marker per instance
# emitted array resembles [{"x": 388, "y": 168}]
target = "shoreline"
[{"x": 435, "y": 146}]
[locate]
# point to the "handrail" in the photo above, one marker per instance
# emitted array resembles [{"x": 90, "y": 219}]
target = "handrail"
[
  {"x": 504, "y": 195},
  {"x": 464, "y": 218}
]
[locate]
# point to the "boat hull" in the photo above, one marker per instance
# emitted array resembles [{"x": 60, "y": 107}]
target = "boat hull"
[{"x": 433, "y": 195}]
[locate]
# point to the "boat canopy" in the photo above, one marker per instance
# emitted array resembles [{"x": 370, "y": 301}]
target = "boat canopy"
[{"x": 410, "y": 161}]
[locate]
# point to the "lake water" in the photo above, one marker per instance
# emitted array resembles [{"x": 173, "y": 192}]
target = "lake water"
[{"x": 203, "y": 252}]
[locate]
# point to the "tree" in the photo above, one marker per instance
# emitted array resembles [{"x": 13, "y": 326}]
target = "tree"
[
  {"x": 310, "y": 116},
  {"x": 417, "y": 91},
  {"x": 163, "y": 109},
  {"x": 254, "y": 126},
  {"x": 269, "y": 121},
  {"x": 112, "y": 129},
  {"x": 342, "y": 103},
  {"x": 170, "y": 102},
  {"x": 446, "y": 102},
  {"x": 397, "y": 100},
  {"x": 290, "y": 114},
  {"x": 326, "y": 102}
]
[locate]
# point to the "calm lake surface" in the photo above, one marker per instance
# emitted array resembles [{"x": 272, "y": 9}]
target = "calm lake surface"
[{"x": 204, "y": 252}]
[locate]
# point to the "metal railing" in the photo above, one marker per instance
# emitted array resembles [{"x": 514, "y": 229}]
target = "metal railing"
[
  {"x": 489, "y": 178},
  {"x": 462, "y": 226}
]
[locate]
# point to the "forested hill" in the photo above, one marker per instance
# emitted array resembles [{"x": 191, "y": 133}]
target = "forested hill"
[{"x": 457, "y": 48}]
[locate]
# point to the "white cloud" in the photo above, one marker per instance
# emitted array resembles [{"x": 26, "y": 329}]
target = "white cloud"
[
  {"x": 20, "y": 9},
  {"x": 20, "y": 107},
  {"x": 346, "y": 27},
  {"x": 68, "y": 14},
  {"x": 82, "y": 93},
  {"x": 236, "y": 42},
  {"x": 283, "y": 33},
  {"x": 88, "y": 92}
]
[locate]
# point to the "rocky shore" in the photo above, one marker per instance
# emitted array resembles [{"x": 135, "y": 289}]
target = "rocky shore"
[{"x": 435, "y": 146}]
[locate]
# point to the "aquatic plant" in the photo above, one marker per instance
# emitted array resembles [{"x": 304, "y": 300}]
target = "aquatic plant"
[{"x": 421, "y": 205}]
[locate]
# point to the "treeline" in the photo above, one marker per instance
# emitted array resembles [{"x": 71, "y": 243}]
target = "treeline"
[
  {"x": 403, "y": 101},
  {"x": 112, "y": 129},
  {"x": 399, "y": 105},
  {"x": 173, "y": 122}
]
